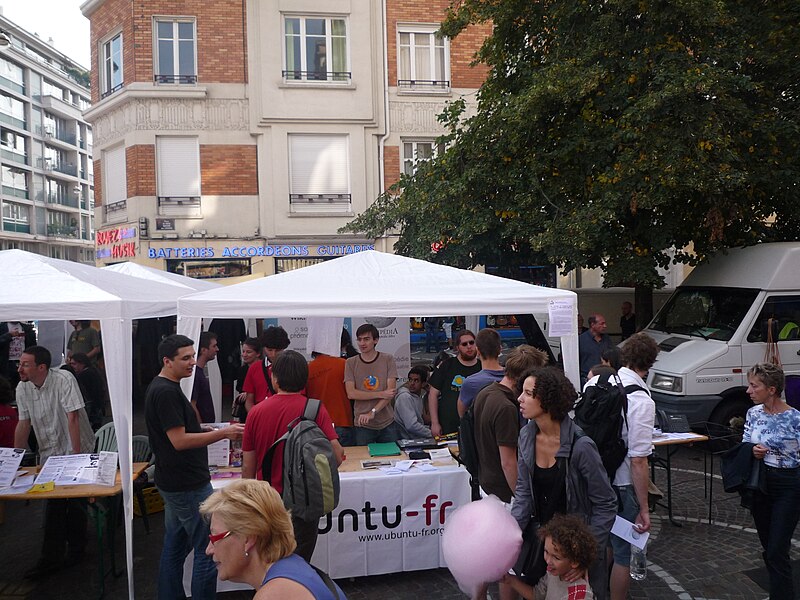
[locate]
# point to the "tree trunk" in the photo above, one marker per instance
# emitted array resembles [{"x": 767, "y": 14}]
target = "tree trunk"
[{"x": 643, "y": 306}]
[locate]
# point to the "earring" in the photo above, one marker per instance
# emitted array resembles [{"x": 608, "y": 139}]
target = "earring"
[{"x": 246, "y": 553}]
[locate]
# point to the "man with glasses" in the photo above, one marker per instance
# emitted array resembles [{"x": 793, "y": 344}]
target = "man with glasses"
[{"x": 446, "y": 381}]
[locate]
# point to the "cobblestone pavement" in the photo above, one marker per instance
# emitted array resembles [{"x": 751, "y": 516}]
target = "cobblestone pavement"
[{"x": 693, "y": 562}]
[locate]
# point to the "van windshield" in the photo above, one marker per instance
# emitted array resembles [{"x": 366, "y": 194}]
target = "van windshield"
[{"x": 710, "y": 313}]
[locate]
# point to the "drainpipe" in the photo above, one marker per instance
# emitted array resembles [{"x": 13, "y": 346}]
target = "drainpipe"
[{"x": 385, "y": 136}]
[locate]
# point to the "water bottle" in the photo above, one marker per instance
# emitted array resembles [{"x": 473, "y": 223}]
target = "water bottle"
[{"x": 638, "y": 563}]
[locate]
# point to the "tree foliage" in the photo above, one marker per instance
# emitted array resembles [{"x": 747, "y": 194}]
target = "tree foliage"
[{"x": 608, "y": 133}]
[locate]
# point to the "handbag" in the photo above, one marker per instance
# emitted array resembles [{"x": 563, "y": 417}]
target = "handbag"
[
  {"x": 772, "y": 354},
  {"x": 531, "y": 566}
]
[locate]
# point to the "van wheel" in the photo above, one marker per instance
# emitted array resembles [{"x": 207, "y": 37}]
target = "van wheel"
[{"x": 726, "y": 425}]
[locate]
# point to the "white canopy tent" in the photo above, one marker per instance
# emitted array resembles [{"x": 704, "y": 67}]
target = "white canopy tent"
[
  {"x": 39, "y": 288},
  {"x": 143, "y": 272},
  {"x": 376, "y": 284}
]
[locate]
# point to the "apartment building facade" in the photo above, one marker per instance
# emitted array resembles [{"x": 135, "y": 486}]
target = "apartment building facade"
[
  {"x": 237, "y": 137},
  {"x": 45, "y": 150}
]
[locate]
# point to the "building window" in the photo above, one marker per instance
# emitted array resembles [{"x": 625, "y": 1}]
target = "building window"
[
  {"x": 12, "y": 111},
  {"x": 175, "y": 60},
  {"x": 316, "y": 49},
  {"x": 12, "y": 147},
  {"x": 111, "y": 72},
  {"x": 15, "y": 182},
  {"x": 416, "y": 151},
  {"x": 319, "y": 174},
  {"x": 12, "y": 76},
  {"x": 115, "y": 183},
  {"x": 16, "y": 218},
  {"x": 178, "y": 169},
  {"x": 423, "y": 60}
]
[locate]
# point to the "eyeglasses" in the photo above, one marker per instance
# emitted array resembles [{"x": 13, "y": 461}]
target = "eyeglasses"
[
  {"x": 216, "y": 537},
  {"x": 469, "y": 343}
]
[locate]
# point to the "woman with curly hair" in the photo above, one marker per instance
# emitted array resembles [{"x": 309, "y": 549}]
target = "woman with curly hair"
[{"x": 559, "y": 468}]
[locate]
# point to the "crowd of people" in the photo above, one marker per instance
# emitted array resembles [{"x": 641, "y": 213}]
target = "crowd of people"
[{"x": 532, "y": 455}]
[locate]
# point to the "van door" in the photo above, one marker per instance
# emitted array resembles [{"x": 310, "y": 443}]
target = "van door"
[{"x": 785, "y": 312}]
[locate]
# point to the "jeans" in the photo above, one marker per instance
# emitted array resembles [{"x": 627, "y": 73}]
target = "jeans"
[
  {"x": 365, "y": 436},
  {"x": 185, "y": 530},
  {"x": 776, "y": 515},
  {"x": 627, "y": 508},
  {"x": 305, "y": 534},
  {"x": 346, "y": 435}
]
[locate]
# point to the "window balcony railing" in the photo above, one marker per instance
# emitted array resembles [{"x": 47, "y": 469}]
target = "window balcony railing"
[
  {"x": 15, "y": 227},
  {"x": 431, "y": 85},
  {"x": 110, "y": 91},
  {"x": 14, "y": 191},
  {"x": 12, "y": 85},
  {"x": 313, "y": 76},
  {"x": 14, "y": 156},
  {"x": 175, "y": 78},
  {"x": 66, "y": 168},
  {"x": 319, "y": 198},
  {"x": 114, "y": 209},
  {"x": 63, "y": 199},
  {"x": 58, "y": 230},
  {"x": 4, "y": 118}
]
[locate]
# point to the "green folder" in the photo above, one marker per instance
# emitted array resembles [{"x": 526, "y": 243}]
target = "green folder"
[{"x": 386, "y": 449}]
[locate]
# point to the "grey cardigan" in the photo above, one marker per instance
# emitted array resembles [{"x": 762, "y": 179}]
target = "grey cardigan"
[{"x": 589, "y": 492}]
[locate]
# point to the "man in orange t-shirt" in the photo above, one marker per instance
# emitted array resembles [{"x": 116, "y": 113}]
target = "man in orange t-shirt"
[{"x": 326, "y": 383}]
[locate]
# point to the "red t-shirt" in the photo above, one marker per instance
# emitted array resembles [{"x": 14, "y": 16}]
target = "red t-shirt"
[
  {"x": 254, "y": 382},
  {"x": 8, "y": 424},
  {"x": 268, "y": 421},
  {"x": 326, "y": 382}
]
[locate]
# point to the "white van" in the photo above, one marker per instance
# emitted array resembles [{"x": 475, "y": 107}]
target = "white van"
[{"x": 714, "y": 328}]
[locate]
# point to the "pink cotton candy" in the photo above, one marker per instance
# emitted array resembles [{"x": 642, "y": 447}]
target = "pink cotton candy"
[{"x": 481, "y": 542}]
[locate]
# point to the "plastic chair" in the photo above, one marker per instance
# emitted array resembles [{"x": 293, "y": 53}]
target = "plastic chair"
[
  {"x": 105, "y": 438},
  {"x": 142, "y": 453}
]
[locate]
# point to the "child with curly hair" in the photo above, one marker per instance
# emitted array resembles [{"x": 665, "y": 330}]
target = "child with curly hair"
[{"x": 569, "y": 549}]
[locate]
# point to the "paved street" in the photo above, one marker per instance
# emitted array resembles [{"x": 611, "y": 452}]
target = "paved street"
[{"x": 695, "y": 561}]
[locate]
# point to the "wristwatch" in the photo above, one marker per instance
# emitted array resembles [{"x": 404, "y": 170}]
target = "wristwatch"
[{"x": 374, "y": 411}]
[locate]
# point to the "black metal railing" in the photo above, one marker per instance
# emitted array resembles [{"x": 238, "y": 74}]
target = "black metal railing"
[
  {"x": 338, "y": 76},
  {"x": 423, "y": 84},
  {"x": 175, "y": 78},
  {"x": 110, "y": 91},
  {"x": 319, "y": 198}
]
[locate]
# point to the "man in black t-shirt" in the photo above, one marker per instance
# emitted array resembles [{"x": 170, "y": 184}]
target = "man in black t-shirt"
[
  {"x": 445, "y": 384},
  {"x": 182, "y": 478}
]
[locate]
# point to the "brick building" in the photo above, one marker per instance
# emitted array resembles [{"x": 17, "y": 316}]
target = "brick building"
[
  {"x": 237, "y": 137},
  {"x": 45, "y": 149}
]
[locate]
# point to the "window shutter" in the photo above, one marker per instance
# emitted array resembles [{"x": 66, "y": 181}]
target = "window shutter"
[
  {"x": 115, "y": 176},
  {"x": 178, "y": 167},
  {"x": 319, "y": 164}
]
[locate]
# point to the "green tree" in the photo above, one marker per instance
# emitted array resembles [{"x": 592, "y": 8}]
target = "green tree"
[{"x": 609, "y": 134}]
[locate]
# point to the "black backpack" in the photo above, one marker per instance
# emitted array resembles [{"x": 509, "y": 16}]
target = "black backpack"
[
  {"x": 600, "y": 412},
  {"x": 467, "y": 448},
  {"x": 310, "y": 469}
]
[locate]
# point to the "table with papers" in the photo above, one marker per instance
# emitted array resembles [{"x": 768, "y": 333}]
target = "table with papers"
[
  {"x": 77, "y": 476},
  {"x": 389, "y": 519}
]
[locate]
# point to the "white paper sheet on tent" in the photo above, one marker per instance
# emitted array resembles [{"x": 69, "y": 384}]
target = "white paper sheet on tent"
[{"x": 378, "y": 284}]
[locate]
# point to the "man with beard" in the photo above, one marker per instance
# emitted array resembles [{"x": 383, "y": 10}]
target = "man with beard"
[{"x": 446, "y": 381}]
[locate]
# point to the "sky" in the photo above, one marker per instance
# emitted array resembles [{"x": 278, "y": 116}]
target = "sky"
[{"x": 60, "y": 19}]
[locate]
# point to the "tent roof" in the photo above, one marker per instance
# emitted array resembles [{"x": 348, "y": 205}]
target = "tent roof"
[
  {"x": 38, "y": 287},
  {"x": 372, "y": 283},
  {"x": 143, "y": 272}
]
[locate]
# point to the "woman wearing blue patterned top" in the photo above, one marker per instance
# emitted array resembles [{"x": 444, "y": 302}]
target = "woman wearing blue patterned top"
[{"x": 774, "y": 427}]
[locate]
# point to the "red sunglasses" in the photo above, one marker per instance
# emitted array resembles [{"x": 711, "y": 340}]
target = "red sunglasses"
[{"x": 216, "y": 537}]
